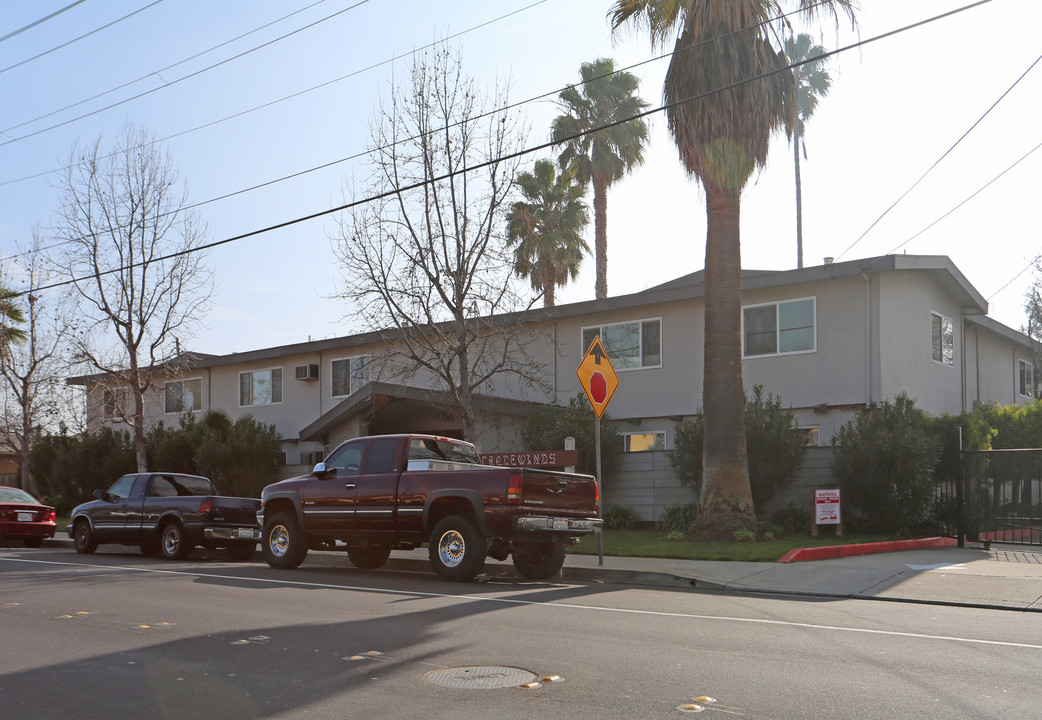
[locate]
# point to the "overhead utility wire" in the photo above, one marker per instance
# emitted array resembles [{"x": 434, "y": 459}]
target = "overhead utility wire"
[
  {"x": 85, "y": 35},
  {"x": 938, "y": 161},
  {"x": 162, "y": 70},
  {"x": 387, "y": 146},
  {"x": 172, "y": 82},
  {"x": 33, "y": 24},
  {"x": 302, "y": 92},
  {"x": 510, "y": 156}
]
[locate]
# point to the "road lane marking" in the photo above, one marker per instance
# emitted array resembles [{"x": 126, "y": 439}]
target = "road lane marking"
[{"x": 515, "y": 601}]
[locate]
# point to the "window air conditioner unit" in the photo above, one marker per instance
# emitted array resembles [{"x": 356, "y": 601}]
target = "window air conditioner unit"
[{"x": 306, "y": 372}]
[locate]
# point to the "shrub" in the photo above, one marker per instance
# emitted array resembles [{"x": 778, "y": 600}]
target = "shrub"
[
  {"x": 620, "y": 517},
  {"x": 547, "y": 427},
  {"x": 885, "y": 461},
  {"x": 769, "y": 531},
  {"x": 679, "y": 518},
  {"x": 773, "y": 440},
  {"x": 744, "y": 535},
  {"x": 792, "y": 520}
]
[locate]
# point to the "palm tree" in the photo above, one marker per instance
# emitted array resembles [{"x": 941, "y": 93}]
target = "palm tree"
[
  {"x": 811, "y": 81},
  {"x": 547, "y": 227},
  {"x": 11, "y": 316},
  {"x": 722, "y": 136},
  {"x": 603, "y": 157}
]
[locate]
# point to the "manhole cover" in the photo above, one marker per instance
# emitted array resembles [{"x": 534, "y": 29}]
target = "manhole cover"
[{"x": 479, "y": 678}]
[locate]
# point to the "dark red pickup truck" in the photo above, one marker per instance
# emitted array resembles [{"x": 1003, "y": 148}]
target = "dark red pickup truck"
[{"x": 385, "y": 492}]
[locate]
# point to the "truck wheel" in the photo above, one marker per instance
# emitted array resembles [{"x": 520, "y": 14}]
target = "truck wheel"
[
  {"x": 83, "y": 538},
  {"x": 172, "y": 542},
  {"x": 369, "y": 558},
  {"x": 538, "y": 560},
  {"x": 283, "y": 544},
  {"x": 242, "y": 551},
  {"x": 457, "y": 549}
]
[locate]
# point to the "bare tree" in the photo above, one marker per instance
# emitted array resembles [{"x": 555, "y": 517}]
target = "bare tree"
[
  {"x": 34, "y": 390},
  {"x": 427, "y": 264},
  {"x": 133, "y": 250}
]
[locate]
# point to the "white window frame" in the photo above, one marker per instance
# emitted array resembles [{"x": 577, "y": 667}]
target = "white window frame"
[
  {"x": 183, "y": 383},
  {"x": 627, "y": 435},
  {"x": 114, "y": 409},
  {"x": 640, "y": 351},
  {"x": 811, "y": 434},
  {"x": 350, "y": 376},
  {"x": 282, "y": 386},
  {"x": 944, "y": 319},
  {"x": 777, "y": 333},
  {"x": 1029, "y": 386}
]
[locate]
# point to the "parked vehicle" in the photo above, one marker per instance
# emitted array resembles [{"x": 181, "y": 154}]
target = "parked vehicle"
[
  {"x": 168, "y": 513},
  {"x": 25, "y": 518},
  {"x": 385, "y": 492}
]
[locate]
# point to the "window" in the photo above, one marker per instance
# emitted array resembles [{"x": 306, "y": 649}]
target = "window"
[
  {"x": 349, "y": 375},
  {"x": 113, "y": 403},
  {"x": 643, "y": 442},
  {"x": 346, "y": 459},
  {"x": 942, "y": 339},
  {"x": 630, "y": 345},
  {"x": 779, "y": 328},
  {"x": 184, "y": 396},
  {"x": 311, "y": 457},
  {"x": 810, "y": 436},
  {"x": 260, "y": 387},
  {"x": 1027, "y": 379},
  {"x": 120, "y": 489},
  {"x": 381, "y": 455}
]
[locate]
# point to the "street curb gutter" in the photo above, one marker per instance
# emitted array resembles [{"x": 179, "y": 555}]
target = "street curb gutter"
[{"x": 837, "y": 551}]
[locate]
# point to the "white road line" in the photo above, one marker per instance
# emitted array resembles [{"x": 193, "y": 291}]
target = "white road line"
[{"x": 514, "y": 601}]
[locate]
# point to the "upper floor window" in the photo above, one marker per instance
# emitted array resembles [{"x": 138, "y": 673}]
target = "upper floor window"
[
  {"x": 260, "y": 387},
  {"x": 1026, "y": 385},
  {"x": 942, "y": 339},
  {"x": 113, "y": 403},
  {"x": 779, "y": 328},
  {"x": 184, "y": 395},
  {"x": 630, "y": 345},
  {"x": 643, "y": 442},
  {"x": 349, "y": 374}
]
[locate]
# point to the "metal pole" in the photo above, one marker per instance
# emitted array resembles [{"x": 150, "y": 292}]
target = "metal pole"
[
  {"x": 600, "y": 487},
  {"x": 960, "y": 496}
]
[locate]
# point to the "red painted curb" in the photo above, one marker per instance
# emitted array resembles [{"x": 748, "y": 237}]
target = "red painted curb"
[{"x": 836, "y": 551}]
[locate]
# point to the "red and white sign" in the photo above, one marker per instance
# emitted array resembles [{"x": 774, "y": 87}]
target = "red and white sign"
[{"x": 826, "y": 507}]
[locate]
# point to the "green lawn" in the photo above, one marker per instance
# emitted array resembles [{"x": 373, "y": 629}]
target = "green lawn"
[{"x": 653, "y": 543}]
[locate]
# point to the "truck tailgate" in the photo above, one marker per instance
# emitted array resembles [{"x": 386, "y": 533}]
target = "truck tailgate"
[
  {"x": 559, "y": 491},
  {"x": 240, "y": 511}
]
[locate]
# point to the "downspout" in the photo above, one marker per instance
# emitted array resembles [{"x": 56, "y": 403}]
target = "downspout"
[
  {"x": 868, "y": 338},
  {"x": 962, "y": 345}
]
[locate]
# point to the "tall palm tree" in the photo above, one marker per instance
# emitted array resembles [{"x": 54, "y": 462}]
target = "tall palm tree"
[
  {"x": 11, "y": 316},
  {"x": 547, "y": 227},
  {"x": 603, "y": 157},
  {"x": 722, "y": 137},
  {"x": 811, "y": 81}
]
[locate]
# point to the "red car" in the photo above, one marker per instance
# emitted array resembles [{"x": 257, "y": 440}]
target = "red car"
[{"x": 22, "y": 517}]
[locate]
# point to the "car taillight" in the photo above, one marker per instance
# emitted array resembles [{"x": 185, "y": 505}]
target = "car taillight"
[
  {"x": 49, "y": 516},
  {"x": 597, "y": 498},
  {"x": 514, "y": 489},
  {"x": 206, "y": 507}
]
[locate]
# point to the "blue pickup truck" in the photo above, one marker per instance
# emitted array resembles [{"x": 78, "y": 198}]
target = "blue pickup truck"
[{"x": 168, "y": 513}]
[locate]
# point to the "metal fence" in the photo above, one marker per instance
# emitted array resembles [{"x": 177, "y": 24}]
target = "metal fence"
[{"x": 998, "y": 498}]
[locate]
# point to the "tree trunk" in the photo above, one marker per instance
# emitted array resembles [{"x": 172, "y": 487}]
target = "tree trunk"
[
  {"x": 25, "y": 446},
  {"x": 799, "y": 201},
  {"x": 726, "y": 502},
  {"x": 600, "y": 225}
]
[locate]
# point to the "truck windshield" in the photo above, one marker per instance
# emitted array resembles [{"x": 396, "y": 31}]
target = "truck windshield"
[{"x": 431, "y": 449}]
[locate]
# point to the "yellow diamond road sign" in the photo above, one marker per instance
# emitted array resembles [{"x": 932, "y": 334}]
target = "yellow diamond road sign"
[{"x": 597, "y": 376}]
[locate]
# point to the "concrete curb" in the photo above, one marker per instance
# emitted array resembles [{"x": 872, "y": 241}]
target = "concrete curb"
[{"x": 829, "y": 552}]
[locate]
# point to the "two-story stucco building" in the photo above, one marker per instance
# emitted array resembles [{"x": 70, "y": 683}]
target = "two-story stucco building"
[{"x": 827, "y": 340}]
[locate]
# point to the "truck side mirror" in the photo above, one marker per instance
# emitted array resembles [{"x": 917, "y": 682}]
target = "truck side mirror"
[
  {"x": 320, "y": 469},
  {"x": 100, "y": 495}
]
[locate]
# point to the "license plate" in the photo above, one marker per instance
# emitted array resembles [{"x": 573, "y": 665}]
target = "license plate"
[
  {"x": 244, "y": 533},
  {"x": 25, "y": 517},
  {"x": 560, "y": 524}
]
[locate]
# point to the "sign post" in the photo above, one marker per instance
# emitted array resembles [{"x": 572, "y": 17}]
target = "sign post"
[{"x": 599, "y": 381}]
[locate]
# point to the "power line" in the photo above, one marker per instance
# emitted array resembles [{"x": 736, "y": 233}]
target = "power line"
[
  {"x": 85, "y": 35},
  {"x": 172, "y": 82},
  {"x": 499, "y": 159},
  {"x": 33, "y": 24}
]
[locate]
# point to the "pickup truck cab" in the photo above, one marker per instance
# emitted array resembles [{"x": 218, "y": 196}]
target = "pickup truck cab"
[
  {"x": 378, "y": 493},
  {"x": 168, "y": 513}
]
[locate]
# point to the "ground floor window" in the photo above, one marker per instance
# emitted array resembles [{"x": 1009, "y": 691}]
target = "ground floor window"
[{"x": 643, "y": 442}]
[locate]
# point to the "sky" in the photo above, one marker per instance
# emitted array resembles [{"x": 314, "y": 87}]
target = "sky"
[{"x": 274, "y": 106}]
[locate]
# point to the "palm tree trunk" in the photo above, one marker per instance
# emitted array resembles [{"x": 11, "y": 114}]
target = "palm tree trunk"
[
  {"x": 726, "y": 501},
  {"x": 799, "y": 202},
  {"x": 600, "y": 224}
]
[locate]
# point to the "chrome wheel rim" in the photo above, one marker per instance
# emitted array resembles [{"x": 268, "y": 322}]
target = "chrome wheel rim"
[
  {"x": 451, "y": 548},
  {"x": 278, "y": 541},
  {"x": 171, "y": 541}
]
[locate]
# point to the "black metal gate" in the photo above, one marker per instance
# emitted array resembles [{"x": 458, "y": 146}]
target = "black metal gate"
[{"x": 1000, "y": 496}]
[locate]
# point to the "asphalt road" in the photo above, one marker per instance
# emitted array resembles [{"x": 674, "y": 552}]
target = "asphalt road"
[{"x": 117, "y": 635}]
